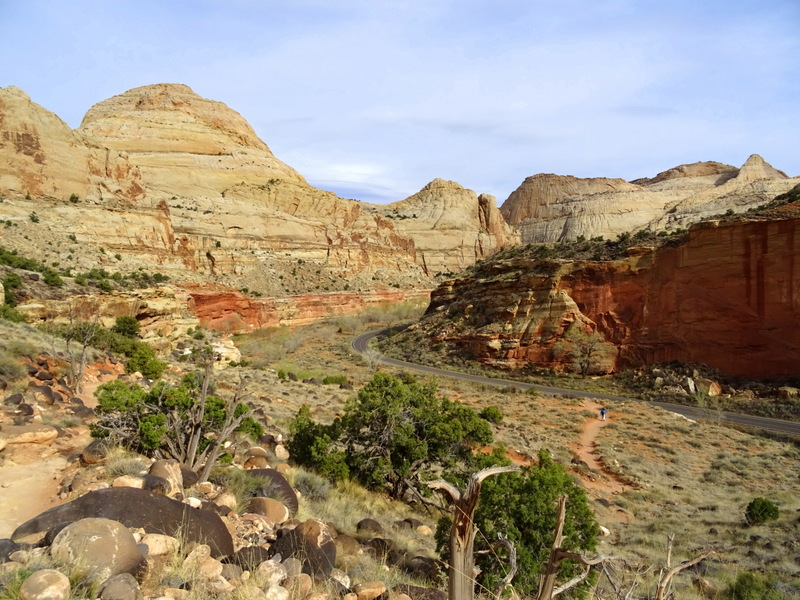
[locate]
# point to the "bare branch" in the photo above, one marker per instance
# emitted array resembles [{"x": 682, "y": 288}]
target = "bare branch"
[
  {"x": 446, "y": 486},
  {"x": 663, "y": 585}
]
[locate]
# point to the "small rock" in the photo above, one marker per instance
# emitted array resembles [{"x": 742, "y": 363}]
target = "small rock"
[
  {"x": 369, "y": 590},
  {"x": 281, "y": 453},
  {"x": 276, "y": 592},
  {"x": 271, "y": 572},
  {"x": 131, "y": 481},
  {"x": 160, "y": 545}
]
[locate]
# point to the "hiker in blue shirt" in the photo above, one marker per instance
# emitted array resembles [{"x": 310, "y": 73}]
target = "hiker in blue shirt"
[{"x": 602, "y": 414}]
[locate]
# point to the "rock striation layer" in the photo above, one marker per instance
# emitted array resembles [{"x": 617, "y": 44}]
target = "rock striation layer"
[
  {"x": 550, "y": 208},
  {"x": 177, "y": 183},
  {"x": 728, "y": 297}
]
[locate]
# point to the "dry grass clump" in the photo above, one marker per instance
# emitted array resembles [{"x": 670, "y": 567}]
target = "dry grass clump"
[{"x": 120, "y": 461}]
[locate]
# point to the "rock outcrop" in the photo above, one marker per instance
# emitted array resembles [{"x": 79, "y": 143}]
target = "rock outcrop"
[
  {"x": 727, "y": 297},
  {"x": 161, "y": 179},
  {"x": 549, "y": 208}
]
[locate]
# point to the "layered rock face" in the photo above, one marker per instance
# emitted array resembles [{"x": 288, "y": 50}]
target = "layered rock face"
[
  {"x": 175, "y": 183},
  {"x": 728, "y": 297},
  {"x": 41, "y": 156},
  {"x": 549, "y": 208},
  {"x": 183, "y": 144}
]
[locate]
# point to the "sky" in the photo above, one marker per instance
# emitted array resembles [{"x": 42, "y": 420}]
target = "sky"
[{"x": 372, "y": 99}]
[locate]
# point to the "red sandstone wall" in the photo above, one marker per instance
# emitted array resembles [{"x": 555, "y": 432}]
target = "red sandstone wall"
[
  {"x": 729, "y": 297},
  {"x": 230, "y": 311}
]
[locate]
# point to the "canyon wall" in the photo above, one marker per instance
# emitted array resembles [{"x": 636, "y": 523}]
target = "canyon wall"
[
  {"x": 163, "y": 180},
  {"x": 728, "y": 297}
]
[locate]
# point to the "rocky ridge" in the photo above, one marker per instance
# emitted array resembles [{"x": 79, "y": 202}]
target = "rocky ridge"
[
  {"x": 550, "y": 208},
  {"x": 173, "y": 182}
]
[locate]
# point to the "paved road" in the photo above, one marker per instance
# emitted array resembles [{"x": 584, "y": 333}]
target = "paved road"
[{"x": 361, "y": 345}]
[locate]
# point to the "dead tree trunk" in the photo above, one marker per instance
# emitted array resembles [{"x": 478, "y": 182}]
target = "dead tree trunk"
[
  {"x": 461, "y": 578},
  {"x": 547, "y": 589}
]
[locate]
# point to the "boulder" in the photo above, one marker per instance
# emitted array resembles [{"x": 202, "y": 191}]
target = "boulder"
[
  {"x": 271, "y": 572},
  {"x": 160, "y": 545},
  {"x": 46, "y": 584},
  {"x": 276, "y": 592},
  {"x": 312, "y": 543},
  {"x": 270, "y": 508},
  {"x": 256, "y": 462},
  {"x": 190, "y": 477},
  {"x": 95, "y": 452},
  {"x": 299, "y": 585},
  {"x": 29, "y": 434},
  {"x": 121, "y": 587},
  {"x": 137, "y": 509},
  {"x": 708, "y": 387},
  {"x": 257, "y": 451},
  {"x": 101, "y": 547},
  {"x": 369, "y": 526},
  {"x": 170, "y": 471},
  {"x": 277, "y": 487},
  {"x": 420, "y": 593},
  {"x": 14, "y": 400}
]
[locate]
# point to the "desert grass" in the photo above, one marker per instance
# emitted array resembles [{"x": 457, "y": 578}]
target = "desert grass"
[{"x": 120, "y": 461}]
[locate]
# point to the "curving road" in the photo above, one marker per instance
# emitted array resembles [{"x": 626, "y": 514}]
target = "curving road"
[{"x": 361, "y": 345}]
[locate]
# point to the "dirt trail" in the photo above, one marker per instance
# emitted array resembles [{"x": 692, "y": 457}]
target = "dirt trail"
[
  {"x": 586, "y": 450},
  {"x": 27, "y": 490},
  {"x": 30, "y": 474}
]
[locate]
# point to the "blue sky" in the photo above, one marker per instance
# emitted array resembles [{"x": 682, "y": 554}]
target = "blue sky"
[{"x": 372, "y": 99}]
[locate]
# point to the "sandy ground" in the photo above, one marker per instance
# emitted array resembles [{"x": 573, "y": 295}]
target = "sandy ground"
[{"x": 27, "y": 490}]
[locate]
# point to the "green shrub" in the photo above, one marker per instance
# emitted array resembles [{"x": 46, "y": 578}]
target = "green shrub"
[
  {"x": 335, "y": 380},
  {"x": 760, "y": 510},
  {"x": 491, "y": 414},
  {"x": 74, "y": 198},
  {"x": 198, "y": 423},
  {"x": 127, "y": 326},
  {"x": 52, "y": 278},
  {"x": 750, "y": 586},
  {"x": 9, "y": 313},
  {"x": 394, "y": 433}
]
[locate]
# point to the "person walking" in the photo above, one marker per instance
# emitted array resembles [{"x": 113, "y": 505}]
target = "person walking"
[{"x": 602, "y": 414}]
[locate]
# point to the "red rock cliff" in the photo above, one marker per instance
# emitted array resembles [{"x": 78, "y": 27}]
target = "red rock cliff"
[{"x": 728, "y": 297}]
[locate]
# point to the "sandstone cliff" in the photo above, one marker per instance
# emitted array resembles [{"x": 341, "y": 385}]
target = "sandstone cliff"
[
  {"x": 164, "y": 180},
  {"x": 727, "y": 297},
  {"x": 549, "y": 208}
]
